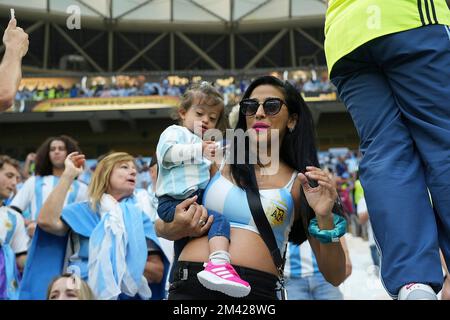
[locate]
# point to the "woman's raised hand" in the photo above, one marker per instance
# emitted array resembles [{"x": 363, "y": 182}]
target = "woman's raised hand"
[
  {"x": 322, "y": 197},
  {"x": 74, "y": 164}
]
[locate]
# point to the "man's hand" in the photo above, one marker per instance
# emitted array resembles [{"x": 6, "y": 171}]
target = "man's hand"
[
  {"x": 31, "y": 157},
  {"x": 154, "y": 269},
  {"x": 15, "y": 39},
  {"x": 16, "y": 46}
]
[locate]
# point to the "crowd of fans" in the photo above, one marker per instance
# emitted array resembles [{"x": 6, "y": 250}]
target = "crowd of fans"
[
  {"x": 164, "y": 87},
  {"x": 112, "y": 239}
]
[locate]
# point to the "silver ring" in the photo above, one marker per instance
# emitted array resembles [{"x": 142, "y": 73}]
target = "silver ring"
[{"x": 201, "y": 222}]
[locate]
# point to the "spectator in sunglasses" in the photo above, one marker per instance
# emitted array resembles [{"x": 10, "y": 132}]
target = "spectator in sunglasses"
[{"x": 270, "y": 108}]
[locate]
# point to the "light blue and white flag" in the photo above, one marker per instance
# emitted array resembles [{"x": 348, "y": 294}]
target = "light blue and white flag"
[{"x": 118, "y": 251}]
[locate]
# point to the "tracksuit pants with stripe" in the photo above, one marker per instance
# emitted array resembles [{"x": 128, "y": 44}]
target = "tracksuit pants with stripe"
[{"x": 397, "y": 90}]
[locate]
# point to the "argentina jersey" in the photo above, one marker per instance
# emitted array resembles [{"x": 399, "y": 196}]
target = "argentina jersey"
[
  {"x": 300, "y": 261},
  {"x": 186, "y": 171},
  {"x": 13, "y": 240},
  {"x": 36, "y": 189},
  {"x": 224, "y": 197},
  {"x": 12, "y": 230}
]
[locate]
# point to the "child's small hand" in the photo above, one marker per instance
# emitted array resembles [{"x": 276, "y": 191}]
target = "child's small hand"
[{"x": 209, "y": 149}]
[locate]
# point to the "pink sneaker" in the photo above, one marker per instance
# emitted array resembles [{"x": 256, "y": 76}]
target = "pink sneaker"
[{"x": 223, "y": 278}]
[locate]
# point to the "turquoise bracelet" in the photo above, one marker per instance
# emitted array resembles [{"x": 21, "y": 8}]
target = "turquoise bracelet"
[{"x": 327, "y": 236}]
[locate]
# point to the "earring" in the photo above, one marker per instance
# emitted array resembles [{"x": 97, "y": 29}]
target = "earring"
[{"x": 291, "y": 129}]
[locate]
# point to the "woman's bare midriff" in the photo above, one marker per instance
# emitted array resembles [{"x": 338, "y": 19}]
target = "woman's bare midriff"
[{"x": 247, "y": 249}]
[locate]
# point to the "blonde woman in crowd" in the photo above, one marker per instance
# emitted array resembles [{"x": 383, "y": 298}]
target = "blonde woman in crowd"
[{"x": 111, "y": 238}]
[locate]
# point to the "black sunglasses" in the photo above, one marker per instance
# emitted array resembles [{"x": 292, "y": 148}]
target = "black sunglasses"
[{"x": 271, "y": 106}]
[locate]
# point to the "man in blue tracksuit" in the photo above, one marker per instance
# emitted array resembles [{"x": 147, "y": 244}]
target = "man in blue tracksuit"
[{"x": 390, "y": 61}]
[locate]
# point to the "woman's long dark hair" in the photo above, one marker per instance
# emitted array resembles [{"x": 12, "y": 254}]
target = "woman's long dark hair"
[
  {"x": 298, "y": 149},
  {"x": 44, "y": 166}
]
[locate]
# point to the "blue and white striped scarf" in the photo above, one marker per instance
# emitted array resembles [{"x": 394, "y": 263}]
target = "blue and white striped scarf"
[{"x": 118, "y": 251}]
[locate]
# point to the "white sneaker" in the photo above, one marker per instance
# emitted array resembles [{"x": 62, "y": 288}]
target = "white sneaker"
[{"x": 416, "y": 291}]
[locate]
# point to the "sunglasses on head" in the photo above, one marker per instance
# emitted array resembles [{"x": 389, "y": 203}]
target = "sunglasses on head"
[{"x": 271, "y": 106}]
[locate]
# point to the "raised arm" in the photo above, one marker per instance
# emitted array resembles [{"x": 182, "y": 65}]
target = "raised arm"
[
  {"x": 26, "y": 167},
  {"x": 50, "y": 215},
  {"x": 16, "y": 46},
  {"x": 330, "y": 257}
]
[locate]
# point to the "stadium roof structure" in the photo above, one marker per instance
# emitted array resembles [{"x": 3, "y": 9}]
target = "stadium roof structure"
[
  {"x": 168, "y": 35},
  {"x": 191, "y": 15}
]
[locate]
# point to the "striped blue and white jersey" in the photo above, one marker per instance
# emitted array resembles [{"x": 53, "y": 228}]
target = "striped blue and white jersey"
[
  {"x": 182, "y": 170},
  {"x": 13, "y": 240},
  {"x": 224, "y": 197},
  {"x": 300, "y": 261},
  {"x": 36, "y": 189},
  {"x": 12, "y": 230}
]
